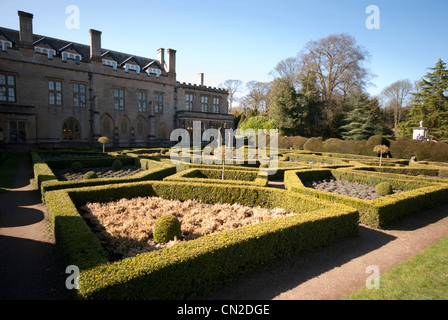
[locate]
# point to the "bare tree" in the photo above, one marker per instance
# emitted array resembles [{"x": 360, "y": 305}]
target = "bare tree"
[
  {"x": 257, "y": 95},
  {"x": 233, "y": 87},
  {"x": 396, "y": 96},
  {"x": 337, "y": 62},
  {"x": 289, "y": 69}
]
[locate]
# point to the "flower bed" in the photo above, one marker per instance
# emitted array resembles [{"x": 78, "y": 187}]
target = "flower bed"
[
  {"x": 199, "y": 265},
  {"x": 125, "y": 227},
  {"x": 347, "y": 188},
  {"x": 102, "y": 172},
  {"x": 419, "y": 194}
]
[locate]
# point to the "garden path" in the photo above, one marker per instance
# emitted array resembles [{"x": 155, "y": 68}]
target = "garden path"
[
  {"x": 31, "y": 266},
  {"x": 339, "y": 269}
]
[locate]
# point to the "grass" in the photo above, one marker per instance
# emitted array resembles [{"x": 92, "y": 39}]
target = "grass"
[
  {"x": 8, "y": 169},
  {"x": 422, "y": 277}
]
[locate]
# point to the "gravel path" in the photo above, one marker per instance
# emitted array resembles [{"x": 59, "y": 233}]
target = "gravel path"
[{"x": 30, "y": 268}]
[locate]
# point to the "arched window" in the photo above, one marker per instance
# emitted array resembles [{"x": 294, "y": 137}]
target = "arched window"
[
  {"x": 142, "y": 128},
  {"x": 124, "y": 129},
  {"x": 71, "y": 129},
  {"x": 107, "y": 126}
]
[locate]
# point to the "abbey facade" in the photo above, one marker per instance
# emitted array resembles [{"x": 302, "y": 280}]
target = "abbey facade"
[{"x": 56, "y": 93}]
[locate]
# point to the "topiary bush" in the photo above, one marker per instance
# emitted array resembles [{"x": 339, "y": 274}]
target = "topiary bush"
[
  {"x": 384, "y": 189},
  {"x": 117, "y": 165},
  {"x": 76, "y": 166},
  {"x": 166, "y": 229},
  {"x": 90, "y": 175}
]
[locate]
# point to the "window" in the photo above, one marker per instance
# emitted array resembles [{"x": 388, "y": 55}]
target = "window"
[
  {"x": 106, "y": 127},
  {"x": 141, "y": 128},
  {"x": 216, "y": 105},
  {"x": 7, "y": 88},
  {"x": 119, "y": 99},
  {"x": 49, "y": 52},
  {"x": 54, "y": 93},
  {"x": 73, "y": 56},
  {"x": 71, "y": 129},
  {"x": 204, "y": 104},
  {"x": 157, "y": 72},
  {"x": 141, "y": 101},
  {"x": 134, "y": 67},
  {"x": 158, "y": 105},
  {"x": 17, "y": 131},
  {"x": 189, "y": 99},
  {"x": 110, "y": 63},
  {"x": 79, "y": 95},
  {"x": 5, "y": 45}
]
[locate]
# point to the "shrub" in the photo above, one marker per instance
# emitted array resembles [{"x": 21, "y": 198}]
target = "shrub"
[
  {"x": 76, "y": 166},
  {"x": 90, "y": 175},
  {"x": 117, "y": 165},
  {"x": 384, "y": 188},
  {"x": 314, "y": 144},
  {"x": 166, "y": 229}
]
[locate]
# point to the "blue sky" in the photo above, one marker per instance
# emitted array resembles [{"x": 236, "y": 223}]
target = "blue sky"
[{"x": 245, "y": 39}]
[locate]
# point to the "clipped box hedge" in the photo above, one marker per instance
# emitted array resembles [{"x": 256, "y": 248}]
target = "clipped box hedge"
[
  {"x": 250, "y": 177},
  {"x": 198, "y": 266},
  {"x": 420, "y": 194},
  {"x": 410, "y": 170},
  {"x": 47, "y": 181}
]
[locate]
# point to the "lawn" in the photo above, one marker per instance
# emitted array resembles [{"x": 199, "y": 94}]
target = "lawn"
[{"x": 422, "y": 277}]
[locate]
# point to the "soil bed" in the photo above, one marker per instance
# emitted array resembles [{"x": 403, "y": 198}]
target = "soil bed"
[
  {"x": 348, "y": 188},
  {"x": 102, "y": 172},
  {"x": 125, "y": 227}
]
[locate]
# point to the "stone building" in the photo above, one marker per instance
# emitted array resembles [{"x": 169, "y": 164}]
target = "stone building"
[{"x": 57, "y": 93}]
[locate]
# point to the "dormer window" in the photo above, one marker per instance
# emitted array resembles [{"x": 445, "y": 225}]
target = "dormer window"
[
  {"x": 157, "y": 72},
  {"x": 73, "y": 56},
  {"x": 134, "y": 67},
  {"x": 110, "y": 63},
  {"x": 5, "y": 44},
  {"x": 49, "y": 52}
]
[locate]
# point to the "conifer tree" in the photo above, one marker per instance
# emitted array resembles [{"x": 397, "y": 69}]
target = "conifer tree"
[
  {"x": 430, "y": 104},
  {"x": 359, "y": 122}
]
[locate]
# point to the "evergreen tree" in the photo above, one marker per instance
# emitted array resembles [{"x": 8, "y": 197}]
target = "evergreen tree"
[
  {"x": 285, "y": 110},
  {"x": 430, "y": 104},
  {"x": 312, "y": 105},
  {"x": 359, "y": 121}
]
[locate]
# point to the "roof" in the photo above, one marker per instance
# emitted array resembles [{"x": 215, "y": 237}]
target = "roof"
[{"x": 82, "y": 49}]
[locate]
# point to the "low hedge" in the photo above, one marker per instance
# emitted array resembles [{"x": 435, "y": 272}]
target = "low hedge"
[
  {"x": 251, "y": 177},
  {"x": 410, "y": 170},
  {"x": 198, "y": 266},
  {"x": 420, "y": 194},
  {"x": 91, "y": 162},
  {"x": 151, "y": 174},
  {"x": 41, "y": 170},
  {"x": 47, "y": 181}
]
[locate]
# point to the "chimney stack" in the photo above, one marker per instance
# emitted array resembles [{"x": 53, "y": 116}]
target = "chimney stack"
[
  {"x": 95, "y": 45},
  {"x": 161, "y": 57},
  {"x": 26, "y": 29},
  {"x": 171, "y": 65},
  {"x": 201, "y": 79}
]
